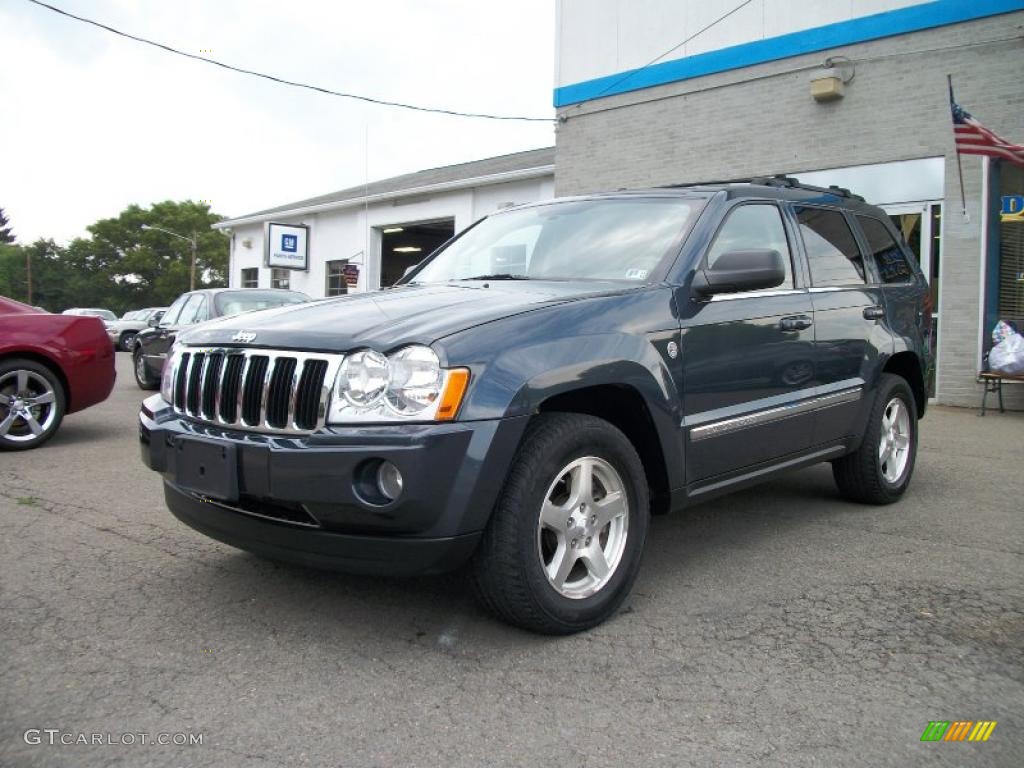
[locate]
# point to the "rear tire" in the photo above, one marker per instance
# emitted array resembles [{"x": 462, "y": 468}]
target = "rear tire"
[
  {"x": 561, "y": 551},
  {"x": 32, "y": 404},
  {"x": 880, "y": 470},
  {"x": 142, "y": 376}
]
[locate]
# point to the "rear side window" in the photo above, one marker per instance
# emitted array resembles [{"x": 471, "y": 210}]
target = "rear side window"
[
  {"x": 890, "y": 259},
  {"x": 832, "y": 253},
  {"x": 750, "y": 227}
]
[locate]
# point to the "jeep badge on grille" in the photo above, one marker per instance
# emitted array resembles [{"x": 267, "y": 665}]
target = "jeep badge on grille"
[{"x": 244, "y": 336}]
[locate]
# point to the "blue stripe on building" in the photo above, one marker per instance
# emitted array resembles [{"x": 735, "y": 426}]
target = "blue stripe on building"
[{"x": 938, "y": 13}]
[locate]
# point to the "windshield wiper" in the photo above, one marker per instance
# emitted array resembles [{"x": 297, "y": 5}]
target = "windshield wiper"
[{"x": 499, "y": 276}]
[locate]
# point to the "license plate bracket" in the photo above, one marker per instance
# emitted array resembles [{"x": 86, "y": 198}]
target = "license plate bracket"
[{"x": 207, "y": 467}]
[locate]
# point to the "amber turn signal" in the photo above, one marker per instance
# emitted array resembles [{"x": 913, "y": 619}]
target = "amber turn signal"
[{"x": 454, "y": 389}]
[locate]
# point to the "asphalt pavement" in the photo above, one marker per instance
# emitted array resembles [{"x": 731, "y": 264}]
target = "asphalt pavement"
[{"x": 780, "y": 626}]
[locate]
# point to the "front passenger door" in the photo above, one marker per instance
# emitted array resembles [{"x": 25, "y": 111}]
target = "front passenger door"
[{"x": 746, "y": 357}]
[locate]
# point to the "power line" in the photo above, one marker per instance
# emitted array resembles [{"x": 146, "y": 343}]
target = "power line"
[
  {"x": 282, "y": 81},
  {"x": 659, "y": 57}
]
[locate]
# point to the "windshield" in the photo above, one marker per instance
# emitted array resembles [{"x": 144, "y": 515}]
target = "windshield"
[
  {"x": 236, "y": 302},
  {"x": 616, "y": 239},
  {"x": 105, "y": 314}
]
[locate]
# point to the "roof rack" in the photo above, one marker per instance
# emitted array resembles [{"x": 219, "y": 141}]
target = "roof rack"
[{"x": 779, "y": 180}]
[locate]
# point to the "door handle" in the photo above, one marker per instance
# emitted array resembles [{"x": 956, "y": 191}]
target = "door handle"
[
  {"x": 795, "y": 323},
  {"x": 874, "y": 313}
]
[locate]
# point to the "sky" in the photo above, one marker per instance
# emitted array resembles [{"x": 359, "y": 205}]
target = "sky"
[{"x": 91, "y": 122}]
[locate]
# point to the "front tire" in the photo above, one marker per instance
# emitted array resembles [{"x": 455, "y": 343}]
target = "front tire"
[
  {"x": 880, "y": 470},
  {"x": 32, "y": 404},
  {"x": 563, "y": 546},
  {"x": 127, "y": 341},
  {"x": 142, "y": 376}
]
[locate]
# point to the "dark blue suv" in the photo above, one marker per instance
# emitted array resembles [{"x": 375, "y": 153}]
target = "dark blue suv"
[{"x": 534, "y": 390}]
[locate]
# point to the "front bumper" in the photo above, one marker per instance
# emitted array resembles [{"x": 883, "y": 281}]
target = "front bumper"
[{"x": 299, "y": 499}]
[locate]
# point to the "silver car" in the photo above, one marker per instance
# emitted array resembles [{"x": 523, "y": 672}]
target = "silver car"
[{"x": 122, "y": 332}]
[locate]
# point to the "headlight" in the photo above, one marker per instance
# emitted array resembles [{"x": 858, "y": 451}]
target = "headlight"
[
  {"x": 167, "y": 377},
  {"x": 410, "y": 384},
  {"x": 363, "y": 378}
]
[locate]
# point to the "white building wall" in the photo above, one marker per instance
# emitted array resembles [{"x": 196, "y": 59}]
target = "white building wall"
[
  {"x": 352, "y": 232},
  {"x": 596, "y": 38}
]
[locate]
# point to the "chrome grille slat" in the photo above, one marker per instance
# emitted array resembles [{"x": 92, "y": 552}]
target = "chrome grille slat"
[
  {"x": 212, "y": 366},
  {"x": 195, "y": 373},
  {"x": 246, "y": 359},
  {"x": 256, "y": 390},
  {"x": 300, "y": 367}
]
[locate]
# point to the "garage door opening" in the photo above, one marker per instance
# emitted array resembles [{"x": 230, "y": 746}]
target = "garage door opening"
[{"x": 405, "y": 245}]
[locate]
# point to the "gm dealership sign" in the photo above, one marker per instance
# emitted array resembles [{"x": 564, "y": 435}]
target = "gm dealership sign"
[{"x": 287, "y": 246}]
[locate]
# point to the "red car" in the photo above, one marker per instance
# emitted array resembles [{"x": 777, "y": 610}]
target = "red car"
[{"x": 50, "y": 365}]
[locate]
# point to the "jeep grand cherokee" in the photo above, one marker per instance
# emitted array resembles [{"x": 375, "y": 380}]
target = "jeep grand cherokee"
[{"x": 534, "y": 390}]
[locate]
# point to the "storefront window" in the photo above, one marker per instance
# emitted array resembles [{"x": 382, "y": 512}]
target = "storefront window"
[
  {"x": 251, "y": 278},
  {"x": 1010, "y": 299}
]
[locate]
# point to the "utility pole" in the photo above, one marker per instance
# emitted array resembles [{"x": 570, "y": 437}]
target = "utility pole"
[
  {"x": 192, "y": 241},
  {"x": 195, "y": 248}
]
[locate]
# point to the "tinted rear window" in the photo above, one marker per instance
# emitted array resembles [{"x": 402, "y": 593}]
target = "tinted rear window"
[{"x": 892, "y": 263}]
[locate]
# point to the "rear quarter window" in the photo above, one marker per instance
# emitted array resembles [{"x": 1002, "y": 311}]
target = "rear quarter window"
[{"x": 890, "y": 259}]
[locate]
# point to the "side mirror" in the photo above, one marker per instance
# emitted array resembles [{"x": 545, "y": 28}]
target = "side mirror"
[
  {"x": 736, "y": 271},
  {"x": 409, "y": 269},
  {"x": 154, "y": 319}
]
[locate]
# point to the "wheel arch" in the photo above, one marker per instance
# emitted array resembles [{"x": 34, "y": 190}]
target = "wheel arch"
[
  {"x": 626, "y": 409},
  {"x": 47, "y": 363},
  {"x": 907, "y": 366}
]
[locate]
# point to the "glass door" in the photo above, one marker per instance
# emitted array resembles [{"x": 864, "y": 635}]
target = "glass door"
[{"x": 921, "y": 226}]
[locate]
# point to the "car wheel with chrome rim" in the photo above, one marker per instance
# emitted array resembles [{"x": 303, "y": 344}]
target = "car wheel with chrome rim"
[
  {"x": 32, "y": 404},
  {"x": 142, "y": 376},
  {"x": 879, "y": 471},
  {"x": 127, "y": 341},
  {"x": 563, "y": 546}
]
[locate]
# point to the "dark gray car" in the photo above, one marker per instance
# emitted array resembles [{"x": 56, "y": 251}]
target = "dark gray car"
[{"x": 527, "y": 397}]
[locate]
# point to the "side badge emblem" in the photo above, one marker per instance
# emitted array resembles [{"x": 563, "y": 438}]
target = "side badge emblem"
[{"x": 673, "y": 350}]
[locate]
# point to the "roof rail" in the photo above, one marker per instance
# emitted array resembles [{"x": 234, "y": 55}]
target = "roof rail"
[{"x": 779, "y": 180}]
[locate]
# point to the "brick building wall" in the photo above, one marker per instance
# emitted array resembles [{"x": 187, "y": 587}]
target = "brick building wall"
[{"x": 762, "y": 120}]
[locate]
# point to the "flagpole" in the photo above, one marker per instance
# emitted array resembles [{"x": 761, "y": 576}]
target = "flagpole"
[{"x": 959, "y": 162}]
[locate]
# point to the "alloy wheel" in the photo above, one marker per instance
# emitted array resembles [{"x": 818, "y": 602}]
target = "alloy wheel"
[
  {"x": 582, "y": 527},
  {"x": 894, "y": 443},
  {"x": 28, "y": 406}
]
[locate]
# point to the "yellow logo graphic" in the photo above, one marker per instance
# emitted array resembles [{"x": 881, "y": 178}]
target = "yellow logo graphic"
[
  {"x": 1012, "y": 208},
  {"x": 958, "y": 730}
]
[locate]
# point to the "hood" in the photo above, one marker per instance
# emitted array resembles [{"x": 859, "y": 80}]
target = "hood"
[{"x": 383, "y": 320}]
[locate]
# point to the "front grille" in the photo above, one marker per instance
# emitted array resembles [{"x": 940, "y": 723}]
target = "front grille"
[{"x": 259, "y": 389}]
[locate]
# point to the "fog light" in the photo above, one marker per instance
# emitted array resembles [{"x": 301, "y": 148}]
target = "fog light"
[{"x": 389, "y": 480}]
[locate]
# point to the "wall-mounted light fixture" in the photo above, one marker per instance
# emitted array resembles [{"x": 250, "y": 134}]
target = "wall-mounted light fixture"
[
  {"x": 247, "y": 242},
  {"x": 829, "y": 82}
]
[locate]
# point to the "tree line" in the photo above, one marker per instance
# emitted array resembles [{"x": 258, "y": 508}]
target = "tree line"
[{"x": 120, "y": 266}]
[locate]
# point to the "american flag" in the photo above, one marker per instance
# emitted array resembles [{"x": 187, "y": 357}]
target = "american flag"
[{"x": 973, "y": 138}]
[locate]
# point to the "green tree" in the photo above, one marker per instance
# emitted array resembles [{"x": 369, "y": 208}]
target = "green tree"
[
  {"x": 6, "y": 236},
  {"x": 120, "y": 266}
]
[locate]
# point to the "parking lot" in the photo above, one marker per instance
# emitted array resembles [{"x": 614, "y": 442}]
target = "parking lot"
[{"x": 779, "y": 626}]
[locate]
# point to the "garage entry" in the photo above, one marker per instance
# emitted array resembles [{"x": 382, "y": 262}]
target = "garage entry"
[{"x": 405, "y": 245}]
